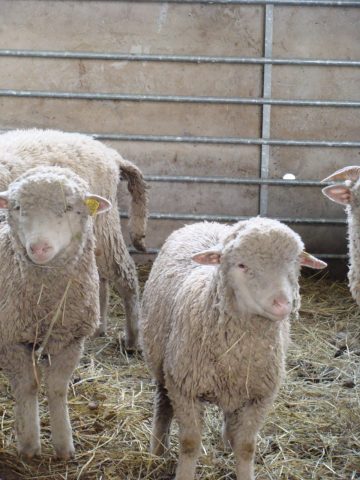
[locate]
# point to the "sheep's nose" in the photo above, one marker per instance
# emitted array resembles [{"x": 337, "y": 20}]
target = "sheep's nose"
[
  {"x": 39, "y": 248},
  {"x": 40, "y": 251},
  {"x": 281, "y": 306}
]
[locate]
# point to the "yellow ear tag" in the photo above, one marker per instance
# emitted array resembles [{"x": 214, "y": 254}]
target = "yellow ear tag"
[{"x": 92, "y": 205}]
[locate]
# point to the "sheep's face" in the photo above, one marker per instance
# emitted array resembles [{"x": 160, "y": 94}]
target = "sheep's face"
[
  {"x": 261, "y": 267},
  {"x": 49, "y": 212},
  {"x": 262, "y": 284},
  {"x": 46, "y": 231},
  {"x": 260, "y": 264}
]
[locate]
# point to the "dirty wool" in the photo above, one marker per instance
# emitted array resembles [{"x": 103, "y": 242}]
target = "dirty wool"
[{"x": 312, "y": 431}]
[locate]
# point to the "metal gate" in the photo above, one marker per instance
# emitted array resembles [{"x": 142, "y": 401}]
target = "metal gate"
[{"x": 323, "y": 233}]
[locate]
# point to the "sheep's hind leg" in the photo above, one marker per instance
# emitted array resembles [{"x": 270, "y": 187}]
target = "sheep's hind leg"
[
  {"x": 131, "y": 305},
  {"x": 115, "y": 264},
  {"x": 104, "y": 301},
  {"x": 163, "y": 414},
  {"x": 126, "y": 285},
  {"x": 58, "y": 373},
  {"x": 24, "y": 378},
  {"x": 189, "y": 416}
]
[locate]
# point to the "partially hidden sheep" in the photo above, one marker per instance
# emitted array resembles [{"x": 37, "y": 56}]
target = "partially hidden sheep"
[
  {"x": 215, "y": 328},
  {"x": 347, "y": 193},
  {"x": 101, "y": 167},
  {"x": 49, "y": 295}
]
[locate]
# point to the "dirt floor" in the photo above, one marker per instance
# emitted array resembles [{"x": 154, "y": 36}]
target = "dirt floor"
[{"x": 313, "y": 431}]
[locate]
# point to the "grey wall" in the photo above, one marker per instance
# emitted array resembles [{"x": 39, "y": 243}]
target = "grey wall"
[{"x": 194, "y": 29}]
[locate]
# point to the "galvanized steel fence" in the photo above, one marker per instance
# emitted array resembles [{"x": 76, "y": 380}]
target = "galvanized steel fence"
[{"x": 265, "y": 101}]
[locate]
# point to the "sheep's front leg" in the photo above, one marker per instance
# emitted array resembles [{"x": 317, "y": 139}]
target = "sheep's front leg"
[
  {"x": 189, "y": 416},
  {"x": 24, "y": 378},
  {"x": 240, "y": 430},
  {"x": 163, "y": 414},
  {"x": 58, "y": 373}
]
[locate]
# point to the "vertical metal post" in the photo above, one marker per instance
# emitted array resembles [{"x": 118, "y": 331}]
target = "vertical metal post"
[{"x": 266, "y": 110}]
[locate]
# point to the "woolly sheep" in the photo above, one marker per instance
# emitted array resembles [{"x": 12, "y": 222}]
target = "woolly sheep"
[
  {"x": 215, "y": 328},
  {"x": 100, "y": 166},
  {"x": 348, "y": 194},
  {"x": 49, "y": 298}
]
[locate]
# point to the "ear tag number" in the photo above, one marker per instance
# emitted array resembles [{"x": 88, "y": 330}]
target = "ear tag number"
[{"x": 92, "y": 205}]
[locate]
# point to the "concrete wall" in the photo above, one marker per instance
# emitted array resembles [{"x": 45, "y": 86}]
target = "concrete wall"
[{"x": 225, "y": 30}]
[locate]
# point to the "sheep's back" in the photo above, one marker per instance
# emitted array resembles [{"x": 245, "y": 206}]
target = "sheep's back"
[{"x": 91, "y": 160}]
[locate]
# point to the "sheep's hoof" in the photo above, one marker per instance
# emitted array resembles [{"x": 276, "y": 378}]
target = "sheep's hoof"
[
  {"x": 227, "y": 446},
  {"x": 139, "y": 243},
  {"x": 159, "y": 449},
  {"x": 65, "y": 454},
  {"x": 129, "y": 347},
  {"x": 99, "y": 332},
  {"x": 28, "y": 452},
  {"x": 226, "y": 441}
]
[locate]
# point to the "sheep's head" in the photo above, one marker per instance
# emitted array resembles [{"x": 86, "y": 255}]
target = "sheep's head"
[
  {"x": 49, "y": 210},
  {"x": 347, "y": 189},
  {"x": 260, "y": 263}
]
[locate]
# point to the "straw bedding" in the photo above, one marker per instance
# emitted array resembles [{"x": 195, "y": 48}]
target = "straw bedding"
[{"x": 313, "y": 431}]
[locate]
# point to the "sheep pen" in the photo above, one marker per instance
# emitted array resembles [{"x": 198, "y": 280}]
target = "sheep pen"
[{"x": 312, "y": 432}]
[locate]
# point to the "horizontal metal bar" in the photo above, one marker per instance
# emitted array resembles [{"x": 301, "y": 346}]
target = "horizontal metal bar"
[
  {"x": 176, "y": 98},
  {"x": 149, "y": 251},
  {"x": 118, "y": 137},
  {"x": 231, "y": 218},
  {"x": 222, "y": 140},
  {"x": 138, "y": 57},
  {"x": 310, "y": 3},
  {"x": 332, "y": 256},
  {"x": 235, "y": 181},
  {"x": 329, "y": 256}
]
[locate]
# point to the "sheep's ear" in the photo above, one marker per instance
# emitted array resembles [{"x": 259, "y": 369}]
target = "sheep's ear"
[
  {"x": 340, "y": 193},
  {"x": 207, "y": 257},
  {"x": 347, "y": 173},
  {"x": 97, "y": 204},
  {"x": 307, "y": 260},
  {"x": 4, "y": 201}
]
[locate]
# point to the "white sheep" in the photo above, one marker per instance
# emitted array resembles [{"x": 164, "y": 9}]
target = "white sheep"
[
  {"x": 348, "y": 194},
  {"x": 101, "y": 167},
  {"x": 49, "y": 298},
  {"x": 215, "y": 327}
]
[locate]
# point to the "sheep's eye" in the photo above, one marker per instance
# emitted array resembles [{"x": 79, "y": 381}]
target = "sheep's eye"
[
  {"x": 17, "y": 208},
  {"x": 242, "y": 266},
  {"x": 69, "y": 208}
]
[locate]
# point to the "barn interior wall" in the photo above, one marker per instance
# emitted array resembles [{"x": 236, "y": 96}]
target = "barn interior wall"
[{"x": 195, "y": 29}]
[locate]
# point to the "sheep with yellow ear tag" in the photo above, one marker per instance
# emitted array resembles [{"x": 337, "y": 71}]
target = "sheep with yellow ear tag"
[{"x": 49, "y": 300}]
